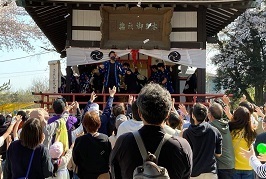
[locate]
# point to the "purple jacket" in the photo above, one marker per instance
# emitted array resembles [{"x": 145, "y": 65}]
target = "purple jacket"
[{"x": 71, "y": 121}]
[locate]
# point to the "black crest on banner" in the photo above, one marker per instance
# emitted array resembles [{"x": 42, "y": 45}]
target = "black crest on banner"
[
  {"x": 96, "y": 55},
  {"x": 174, "y": 56}
]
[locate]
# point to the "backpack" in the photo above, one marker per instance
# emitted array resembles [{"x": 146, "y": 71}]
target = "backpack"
[
  {"x": 62, "y": 134},
  {"x": 150, "y": 169}
]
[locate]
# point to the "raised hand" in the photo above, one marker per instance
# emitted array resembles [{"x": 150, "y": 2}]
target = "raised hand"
[
  {"x": 76, "y": 105},
  {"x": 243, "y": 98},
  {"x": 262, "y": 157},
  {"x": 16, "y": 118},
  {"x": 259, "y": 112},
  {"x": 227, "y": 112},
  {"x": 130, "y": 99},
  {"x": 173, "y": 104},
  {"x": 69, "y": 107},
  {"x": 93, "y": 97},
  {"x": 247, "y": 153},
  {"x": 112, "y": 91},
  {"x": 226, "y": 99},
  {"x": 183, "y": 109}
]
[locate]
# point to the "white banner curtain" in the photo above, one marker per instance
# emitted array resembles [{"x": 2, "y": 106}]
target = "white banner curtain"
[
  {"x": 188, "y": 57},
  {"x": 83, "y": 56}
]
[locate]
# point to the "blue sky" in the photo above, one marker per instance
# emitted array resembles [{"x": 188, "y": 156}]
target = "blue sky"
[{"x": 22, "y": 72}]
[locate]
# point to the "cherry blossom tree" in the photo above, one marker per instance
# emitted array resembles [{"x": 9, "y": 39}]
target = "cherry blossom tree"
[
  {"x": 17, "y": 29},
  {"x": 242, "y": 58}
]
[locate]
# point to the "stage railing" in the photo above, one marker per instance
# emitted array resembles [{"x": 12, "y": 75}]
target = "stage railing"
[{"x": 48, "y": 98}]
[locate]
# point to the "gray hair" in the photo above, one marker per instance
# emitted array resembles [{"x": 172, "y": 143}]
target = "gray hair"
[{"x": 154, "y": 103}]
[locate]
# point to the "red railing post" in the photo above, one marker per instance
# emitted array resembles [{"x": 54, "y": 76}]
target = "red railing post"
[
  {"x": 74, "y": 97},
  {"x": 47, "y": 105},
  {"x": 194, "y": 99},
  {"x": 42, "y": 98}
]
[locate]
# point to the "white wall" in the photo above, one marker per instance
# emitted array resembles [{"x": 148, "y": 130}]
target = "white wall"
[
  {"x": 184, "y": 20},
  {"x": 93, "y": 18},
  {"x": 86, "y": 18}
]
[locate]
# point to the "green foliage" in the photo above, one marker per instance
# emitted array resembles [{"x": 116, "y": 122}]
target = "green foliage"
[{"x": 242, "y": 58}]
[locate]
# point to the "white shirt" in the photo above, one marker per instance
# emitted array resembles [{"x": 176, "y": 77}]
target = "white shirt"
[
  {"x": 129, "y": 126},
  {"x": 75, "y": 133},
  {"x": 112, "y": 140},
  {"x": 170, "y": 130},
  {"x": 2, "y": 140},
  {"x": 259, "y": 168},
  {"x": 133, "y": 125}
]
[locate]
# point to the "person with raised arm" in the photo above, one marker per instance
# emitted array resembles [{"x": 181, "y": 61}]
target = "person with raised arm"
[{"x": 106, "y": 114}]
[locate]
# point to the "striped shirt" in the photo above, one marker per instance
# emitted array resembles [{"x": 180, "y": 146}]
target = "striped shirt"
[{"x": 257, "y": 166}]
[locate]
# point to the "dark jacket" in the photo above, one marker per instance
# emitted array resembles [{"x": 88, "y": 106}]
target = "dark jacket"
[
  {"x": 205, "y": 141},
  {"x": 118, "y": 71},
  {"x": 191, "y": 85},
  {"x": 18, "y": 158},
  {"x": 111, "y": 124},
  {"x": 88, "y": 155},
  {"x": 3, "y": 148},
  {"x": 131, "y": 82},
  {"x": 105, "y": 116},
  {"x": 175, "y": 155}
]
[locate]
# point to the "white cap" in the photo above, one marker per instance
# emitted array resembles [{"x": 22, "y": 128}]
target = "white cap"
[
  {"x": 56, "y": 150},
  {"x": 94, "y": 107}
]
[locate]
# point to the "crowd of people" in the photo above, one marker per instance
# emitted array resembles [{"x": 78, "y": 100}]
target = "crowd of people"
[
  {"x": 112, "y": 73},
  {"x": 128, "y": 140}
]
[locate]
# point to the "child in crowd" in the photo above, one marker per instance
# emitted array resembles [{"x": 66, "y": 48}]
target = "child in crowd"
[{"x": 60, "y": 160}]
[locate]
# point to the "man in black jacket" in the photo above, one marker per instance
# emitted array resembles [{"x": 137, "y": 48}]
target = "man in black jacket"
[
  {"x": 191, "y": 86},
  {"x": 154, "y": 103},
  {"x": 206, "y": 143}
]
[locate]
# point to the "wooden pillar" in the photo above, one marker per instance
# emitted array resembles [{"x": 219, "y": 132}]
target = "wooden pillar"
[
  {"x": 148, "y": 67},
  {"x": 176, "y": 81},
  {"x": 201, "y": 37},
  {"x": 69, "y": 25},
  {"x": 68, "y": 78},
  {"x": 68, "y": 43}
]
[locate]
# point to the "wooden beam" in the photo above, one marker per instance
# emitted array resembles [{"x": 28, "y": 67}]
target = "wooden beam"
[
  {"x": 214, "y": 22},
  {"x": 50, "y": 19},
  {"x": 213, "y": 40},
  {"x": 47, "y": 33},
  {"x": 211, "y": 27},
  {"x": 201, "y": 37},
  {"x": 184, "y": 29},
  {"x": 56, "y": 22},
  {"x": 217, "y": 13},
  {"x": 68, "y": 78},
  {"x": 90, "y": 28},
  {"x": 69, "y": 25},
  {"x": 52, "y": 10},
  {"x": 174, "y": 29},
  {"x": 190, "y": 45},
  {"x": 215, "y": 19},
  {"x": 223, "y": 12},
  {"x": 81, "y": 43}
]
